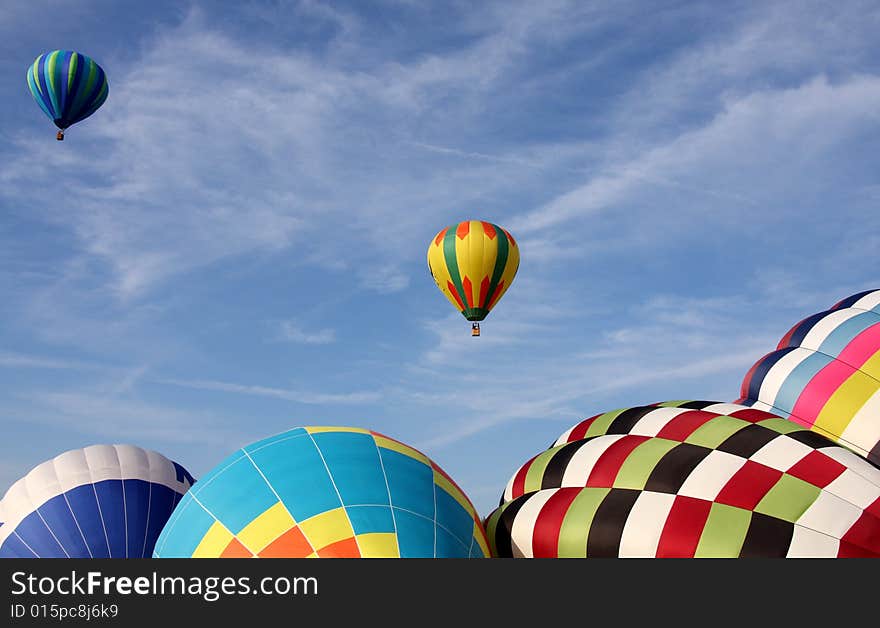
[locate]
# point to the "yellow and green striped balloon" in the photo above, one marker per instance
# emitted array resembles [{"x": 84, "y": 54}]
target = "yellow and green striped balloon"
[{"x": 473, "y": 264}]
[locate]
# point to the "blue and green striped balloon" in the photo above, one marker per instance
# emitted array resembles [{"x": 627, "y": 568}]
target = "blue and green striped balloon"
[{"x": 68, "y": 86}]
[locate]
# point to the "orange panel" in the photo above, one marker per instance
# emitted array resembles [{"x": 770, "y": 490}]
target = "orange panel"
[
  {"x": 346, "y": 548},
  {"x": 291, "y": 544},
  {"x": 236, "y": 550}
]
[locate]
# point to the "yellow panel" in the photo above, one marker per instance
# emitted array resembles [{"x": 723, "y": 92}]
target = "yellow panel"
[
  {"x": 843, "y": 404},
  {"x": 272, "y": 523},
  {"x": 317, "y": 429},
  {"x": 387, "y": 443},
  {"x": 214, "y": 542},
  {"x": 378, "y": 545},
  {"x": 490, "y": 256},
  {"x": 464, "y": 260},
  {"x": 326, "y": 528},
  {"x": 456, "y": 494},
  {"x": 481, "y": 540},
  {"x": 871, "y": 366}
]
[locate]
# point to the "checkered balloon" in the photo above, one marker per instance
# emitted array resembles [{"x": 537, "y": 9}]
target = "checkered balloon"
[{"x": 690, "y": 479}]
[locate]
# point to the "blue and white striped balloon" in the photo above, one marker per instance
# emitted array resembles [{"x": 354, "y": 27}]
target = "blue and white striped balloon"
[{"x": 104, "y": 501}]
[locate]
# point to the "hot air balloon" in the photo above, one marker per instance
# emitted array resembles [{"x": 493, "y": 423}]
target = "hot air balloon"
[
  {"x": 68, "y": 86},
  {"x": 325, "y": 492},
  {"x": 104, "y": 501},
  {"x": 473, "y": 264},
  {"x": 689, "y": 479},
  {"x": 825, "y": 375}
]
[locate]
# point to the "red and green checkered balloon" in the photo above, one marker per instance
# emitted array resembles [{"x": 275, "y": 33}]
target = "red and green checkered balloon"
[{"x": 690, "y": 479}]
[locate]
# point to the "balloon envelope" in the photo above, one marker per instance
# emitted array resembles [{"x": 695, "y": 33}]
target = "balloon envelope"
[
  {"x": 825, "y": 375},
  {"x": 104, "y": 501},
  {"x": 689, "y": 479},
  {"x": 326, "y": 492},
  {"x": 473, "y": 263},
  {"x": 67, "y": 85}
]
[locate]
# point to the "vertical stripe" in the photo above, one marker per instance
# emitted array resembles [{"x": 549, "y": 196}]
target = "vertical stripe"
[
  {"x": 554, "y": 472},
  {"x": 683, "y": 528},
  {"x": 684, "y": 425},
  {"x": 844, "y": 404},
  {"x": 522, "y": 530},
  {"x": 767, "y": 537},
  {"x": 449, "y": 254},
  {"x": 638, "y": 467},
  {"x": 582, "y": 463},
  {"x": 865, "y": 533},
  {"x": 710, "y": 476},
  {"x": 501, "y": 258},
  {"x": 609, "y": 522},
  {"x": 816, "y": 391},
  {"x": 673, "y": 469},
  {"x": 606, "y": 467},
  {"x": 627, "y": 419},
  {"x": 579, "y": 520},
  {"x": 724, "y": 532},
  {"x": 74, "y": 78},
  {"x": 748, "y": 441},
  {"x": 847, "y": 325},
  {"x": 578, "y": 431},
  {"x": 795, "y": 336},
  {"x": 519, "y": 480},
  {"x": 500, "y": 526},
  {"x": 52, "y": 81},
  {"x": 751, "y": 386},
  {"x": 748, "y": 486},
  {"x": 548, "y": 524},
  {"x": 45, "y": 87},
  {"x": 655, "y": 420},
  {"x": 63, "y": 82},
  {"x": 644, "y": 526},
  {"x": 797, "y": 381}
]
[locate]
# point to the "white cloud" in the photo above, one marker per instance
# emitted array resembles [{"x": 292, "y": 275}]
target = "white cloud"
[
  {"x": 20, "y": 360},
  {"x": 803, "y": 121},
  {"x": 277, "y": 393},
  {"x": 120, "y": 418},
  {"x": 384, "y": 280},
  {"x": 671, "y": 344},
  {"x": 291, "y": 331}
]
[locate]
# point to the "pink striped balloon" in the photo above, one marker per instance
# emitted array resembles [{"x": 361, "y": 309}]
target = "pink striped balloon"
[{"x": 825, "y": 375}]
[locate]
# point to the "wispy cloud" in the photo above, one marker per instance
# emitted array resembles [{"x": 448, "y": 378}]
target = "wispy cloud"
[
  {"x": 672, "y": 345},
  {"x": 20, "y": 360},
  {"x": 291, "y": 331},
  {"x": 803, "y": 121},
  {"x": 277, "y": 393},
  {"x": 384, "y": 280},
  {"x": 120, "y": 418}
]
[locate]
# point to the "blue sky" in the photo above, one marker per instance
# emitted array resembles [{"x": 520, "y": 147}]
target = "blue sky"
[{"x": 235, "y": 243}]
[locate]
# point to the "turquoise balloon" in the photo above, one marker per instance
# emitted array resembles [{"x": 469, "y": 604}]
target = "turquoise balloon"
[{"x": 327, "y": 492}]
